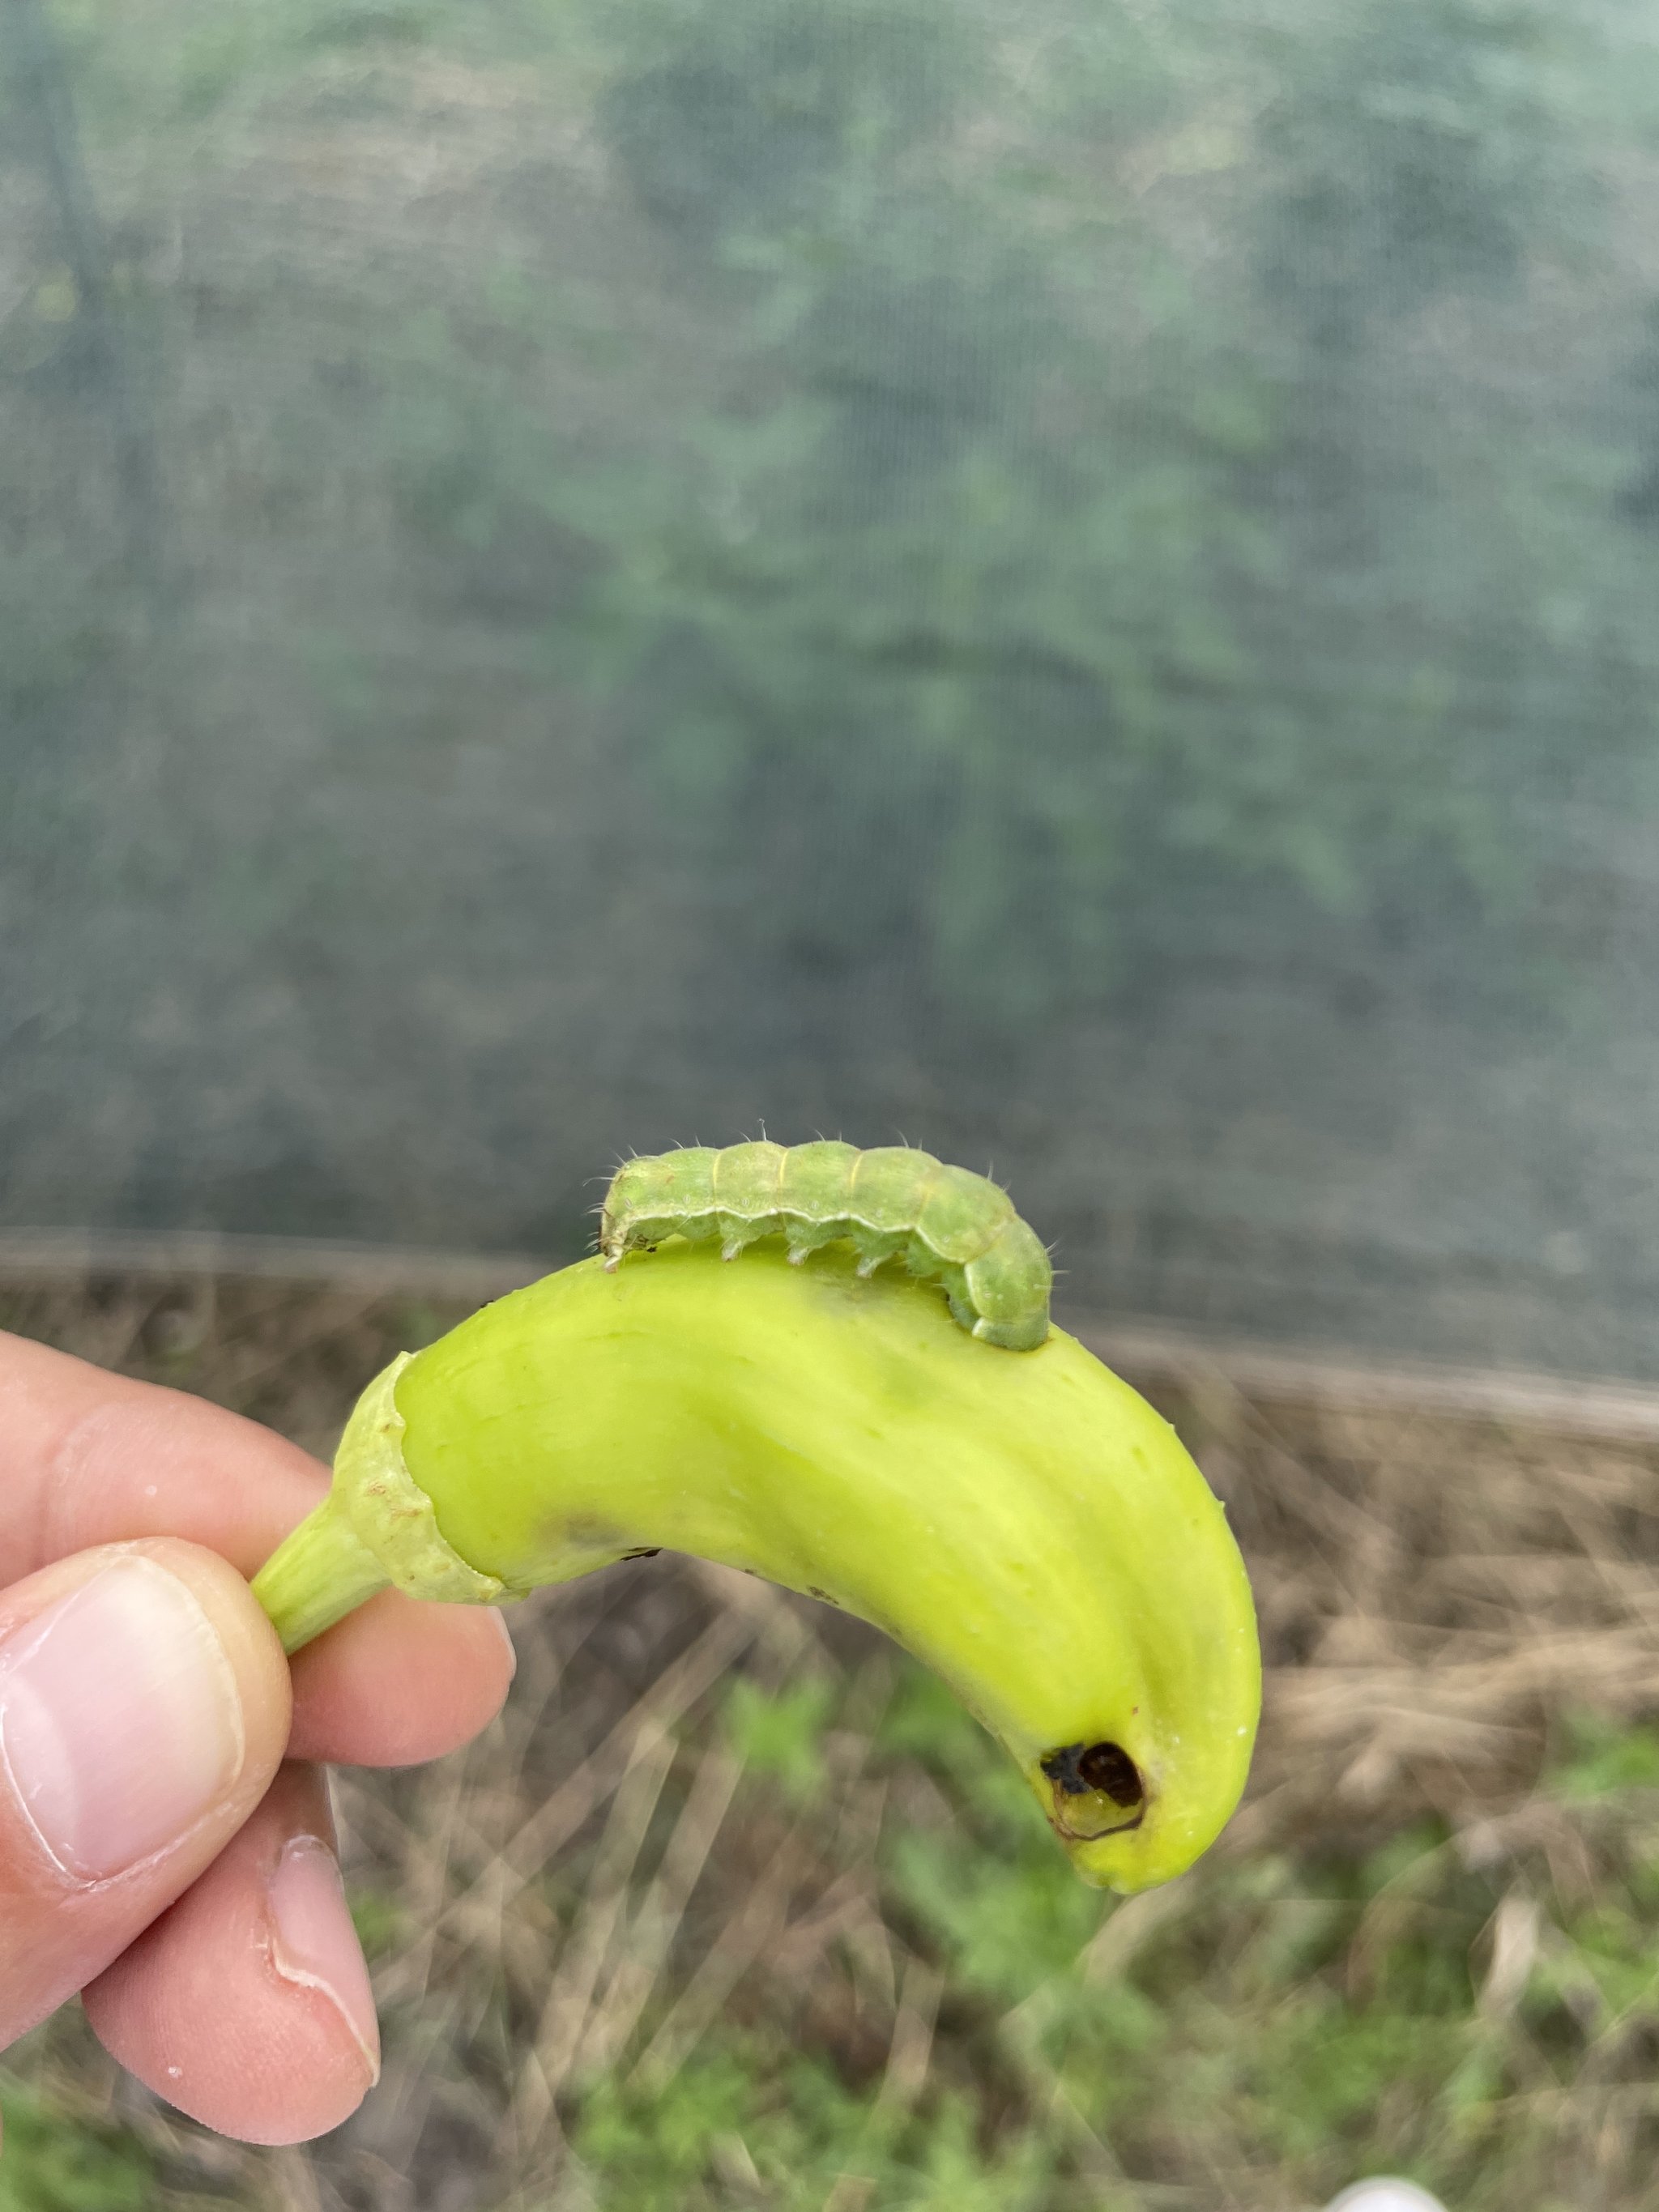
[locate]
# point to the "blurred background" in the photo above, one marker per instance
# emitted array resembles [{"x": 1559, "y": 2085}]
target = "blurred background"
[{"x": 1073, "y": 581}]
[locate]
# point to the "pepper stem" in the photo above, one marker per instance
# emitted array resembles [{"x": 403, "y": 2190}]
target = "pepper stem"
[
  {"x": 376, "y": 1527},
  {"x": 317, "y": 1574}
]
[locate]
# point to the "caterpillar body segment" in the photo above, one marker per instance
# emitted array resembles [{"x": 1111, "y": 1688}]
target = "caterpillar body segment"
[{"x": 948, "y": 1225}]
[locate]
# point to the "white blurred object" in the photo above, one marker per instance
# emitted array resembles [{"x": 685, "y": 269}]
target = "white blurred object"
[{"x": 1384, "y": 2195}]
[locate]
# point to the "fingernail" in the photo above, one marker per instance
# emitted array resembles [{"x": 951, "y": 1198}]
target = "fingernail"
[
  {"x": 314, "y": 1943},
  {"x": 500, "y": 1619},
  {"x": 120, "y": 1724}
]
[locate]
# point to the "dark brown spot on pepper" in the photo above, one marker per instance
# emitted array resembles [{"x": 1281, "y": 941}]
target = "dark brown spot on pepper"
[{"x": 1077, "y": 1768}]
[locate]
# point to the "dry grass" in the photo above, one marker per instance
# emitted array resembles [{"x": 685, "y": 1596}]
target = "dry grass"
[{"x": 728, "y": 1910}]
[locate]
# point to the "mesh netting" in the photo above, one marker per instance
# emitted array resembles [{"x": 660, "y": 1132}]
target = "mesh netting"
[{"x": 1071, "y": 580}]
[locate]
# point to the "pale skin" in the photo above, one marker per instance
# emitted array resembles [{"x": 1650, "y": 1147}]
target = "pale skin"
[{"x": 217, "y": 1965}]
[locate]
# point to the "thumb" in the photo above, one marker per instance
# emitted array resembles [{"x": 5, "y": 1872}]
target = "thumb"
[{"x": 144, "y": 1705}]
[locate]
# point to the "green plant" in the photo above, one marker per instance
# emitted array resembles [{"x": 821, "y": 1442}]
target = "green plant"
[{"x": 60, "y": 2162}]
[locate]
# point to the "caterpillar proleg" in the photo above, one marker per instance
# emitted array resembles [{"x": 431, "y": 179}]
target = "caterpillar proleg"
[{"x": 949, "y": 1226}]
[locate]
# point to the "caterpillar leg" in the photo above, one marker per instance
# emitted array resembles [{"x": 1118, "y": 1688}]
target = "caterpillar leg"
[{"x": 807, "y": 1237}]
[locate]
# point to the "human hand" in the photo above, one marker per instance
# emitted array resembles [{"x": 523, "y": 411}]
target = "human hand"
[{"x": 164, "y": 1846}]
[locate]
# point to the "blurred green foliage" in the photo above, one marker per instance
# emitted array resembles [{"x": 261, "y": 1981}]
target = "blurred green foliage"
[
  {"x": 52, "y": 2162},
  {"x": 379, "y": 1919},
  {"x": 796, "y": 2130},
  {"x": 1318, "y": 2015},
  {"x": 778, "y": 1736},
  {"x": 1132, "y": 565},
  {"x": 1600, "y": 1758},
  {"x": 1016, "y": 485}
]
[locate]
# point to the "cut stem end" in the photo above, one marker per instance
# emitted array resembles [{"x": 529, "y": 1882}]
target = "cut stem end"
[{"x": 317, "y": 1574}]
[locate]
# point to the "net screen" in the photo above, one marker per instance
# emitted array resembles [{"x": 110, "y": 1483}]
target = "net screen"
[{"x": 1072, "y": 581}]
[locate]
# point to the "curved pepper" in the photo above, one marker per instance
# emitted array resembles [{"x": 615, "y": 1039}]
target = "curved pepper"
[{"x": 1022, "y": 1521}]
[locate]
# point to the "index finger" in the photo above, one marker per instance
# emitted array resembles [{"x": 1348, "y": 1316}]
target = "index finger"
[
  {"x": 88, "y": 1458},
  {"x": 94, "y": 1458}
]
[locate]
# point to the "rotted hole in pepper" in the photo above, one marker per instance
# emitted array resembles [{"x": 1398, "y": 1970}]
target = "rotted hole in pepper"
[{"x": 1077, "y": 1768}]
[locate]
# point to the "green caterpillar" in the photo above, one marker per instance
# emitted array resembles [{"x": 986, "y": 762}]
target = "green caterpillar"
[{"x": 950, "y": 1227}]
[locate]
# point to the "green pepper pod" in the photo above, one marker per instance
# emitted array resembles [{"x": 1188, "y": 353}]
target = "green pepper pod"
[{"x": 1022, "y": 1521}]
